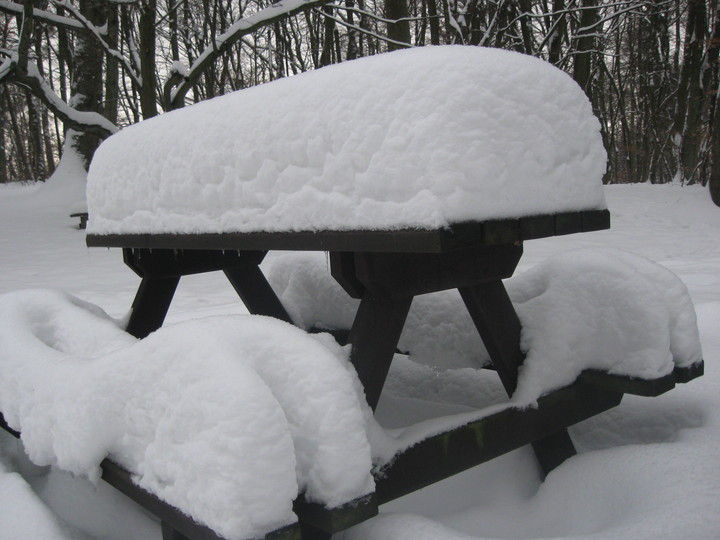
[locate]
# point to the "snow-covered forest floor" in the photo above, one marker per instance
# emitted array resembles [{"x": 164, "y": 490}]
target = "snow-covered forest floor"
[{"x": 649, "y": 468}]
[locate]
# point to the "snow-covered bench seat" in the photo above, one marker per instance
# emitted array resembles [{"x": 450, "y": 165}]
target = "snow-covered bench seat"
[
  {"x": 606, "y": 316},
  {"x": 203, "y": 423},
  {"x": 417, "y": 171}
]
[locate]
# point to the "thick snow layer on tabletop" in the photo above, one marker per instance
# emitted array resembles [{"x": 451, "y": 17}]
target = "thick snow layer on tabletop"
[
  {"x": 227, "y": 418},
  {"x": 584, "y": 309},
  {"x": 416, "y": 138}
]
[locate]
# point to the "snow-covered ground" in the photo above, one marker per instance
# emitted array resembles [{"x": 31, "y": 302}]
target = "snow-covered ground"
[{"x": 649, "y": 468}]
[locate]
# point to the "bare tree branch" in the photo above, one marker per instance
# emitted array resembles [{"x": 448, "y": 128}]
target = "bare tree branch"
[
  {"x": 54, "y": 19},
  {"x": 177, "y": 87},
  {"x": 29, "y": 77},
  {"x": 98, "y": 34}
]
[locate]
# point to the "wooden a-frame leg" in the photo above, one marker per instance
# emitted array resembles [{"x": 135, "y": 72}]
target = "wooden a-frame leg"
[
  {"x": 256, "y": 293},
  {"x": 169, "y": 533},
  {"x": 151, "y": 304},
  {"x": 374, "y": 336},
  {"x": 308, "y": 532},
  {"x": 499, "y": 327}
]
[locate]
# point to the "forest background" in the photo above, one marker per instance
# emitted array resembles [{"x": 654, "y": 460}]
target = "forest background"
[{"x": 76, "y": 71}]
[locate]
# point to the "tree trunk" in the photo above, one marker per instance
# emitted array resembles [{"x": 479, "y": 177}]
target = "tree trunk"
[
  {"x": 22, "y": 168},
  {"x": 112, "y": 81},
  {"x": 557, "y": 30},
  {"x": 4, "y": 169},
  {"x": 35, "y": 148},
  {"x": 400, "y": 29},
  {"x": 583, "y": 48},
  {"x": 688, "y": 131},
  {"x": 148, "y": 93},
  {"x": 714, "y": 181},
  {"x": 86, "y": 86},
  {"x": 326, "y": 56},
  {"x": 432, "y": 12},
  {"x": 352, "y": 48}
]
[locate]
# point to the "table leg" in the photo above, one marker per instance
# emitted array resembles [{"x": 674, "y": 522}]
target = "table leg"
[
  {"x": 499, "y": 327},
  {"x": 169, "y": 533},
  {"x": 256, "y": 293},
  {"x": 151, "y": 304},
  {"x": 161, "y": 269},
  {"x": 374, "y": 336}
]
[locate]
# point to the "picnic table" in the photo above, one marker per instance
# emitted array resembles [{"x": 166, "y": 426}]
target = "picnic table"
[
  {"x": 380, "y": 163},
  {"x": 385, "y": 270}
]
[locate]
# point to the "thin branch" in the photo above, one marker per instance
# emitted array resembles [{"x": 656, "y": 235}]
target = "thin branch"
[
  {"x": 99, "y": 37},
  {"x": 176, "y": 90},
  {"x": 25, "y": 31},
  {"x": 29, "y": 77},
  {"x": 363, "y": 30},
  {"x": 54, "y": 19},
  {"x": 613, "y": 15},
  {"x": 382, "y": 19}
]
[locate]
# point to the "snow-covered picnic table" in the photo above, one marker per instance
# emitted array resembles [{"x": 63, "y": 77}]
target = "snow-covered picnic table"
[{"x": 418, "y": 171}]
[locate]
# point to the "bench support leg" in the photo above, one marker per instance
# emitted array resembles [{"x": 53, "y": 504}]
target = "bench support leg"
[
  {"x": 168, "y": 533},
  {"x": 375, "y": 334},
  {"x": 151, "y": 304},
  {"x": 256, "y": 293},
  {"x": 499, "y": 327}
]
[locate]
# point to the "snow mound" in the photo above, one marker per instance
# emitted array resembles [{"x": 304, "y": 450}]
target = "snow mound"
[
  {"x": 226, "y": 418},
  {"x": 601, "y": 309},
  {"x": 418, "y": 138},
  {"x": 584, "y": 309},
  {"x": 438, "y": 331}
]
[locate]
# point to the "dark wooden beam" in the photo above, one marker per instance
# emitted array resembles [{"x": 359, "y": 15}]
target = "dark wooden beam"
[
  {"x": 687, "y": 374},
  {"x": 160, "y": 263},
  {"x": 256, "y": 293},
  {"x": 628, "y": 385},
  {"x": 342, "y": 269},
  {"x": 151, "y": 305},
  {"x": 457, "y": 236},
  {"x": 454, "y": 451},
  {"x": 374, "y": 336},
  {"x": 497, "y": 322},
  {"x": 499, "y": 327},
  {"x": 331, "y": 520},
  {"x": 412, "y": 274}
]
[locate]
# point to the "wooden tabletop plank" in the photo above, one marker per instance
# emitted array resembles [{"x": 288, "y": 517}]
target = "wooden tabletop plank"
[{"x": 458, "y": 236}]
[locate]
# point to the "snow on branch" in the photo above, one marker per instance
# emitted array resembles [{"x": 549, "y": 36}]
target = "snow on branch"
[
  {"x": 177, "y": 87},
  {"x": 29, "y": 77},
  {"x": 362, "y": 30},
  {"x": 98, "y": 32},
  {"x": 14, "y": 8},
  {"x": 375, "y": 16}
]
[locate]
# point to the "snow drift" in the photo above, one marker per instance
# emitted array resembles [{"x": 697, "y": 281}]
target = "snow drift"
[{"x": 596, "y": 308}]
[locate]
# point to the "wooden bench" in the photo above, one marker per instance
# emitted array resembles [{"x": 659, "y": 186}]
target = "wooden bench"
[
  {"x": 385, "y": 270},
  {"x": 83, "y": 217}
]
